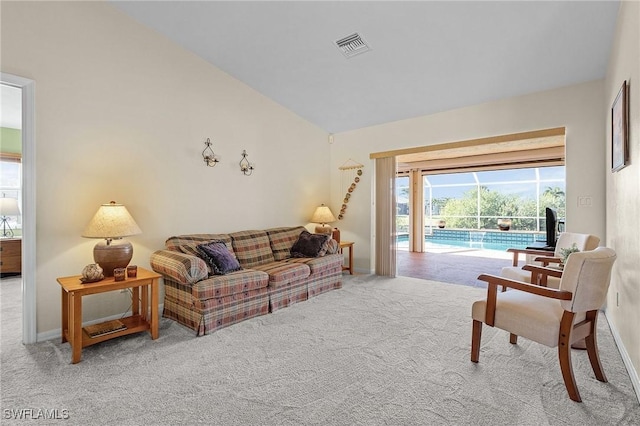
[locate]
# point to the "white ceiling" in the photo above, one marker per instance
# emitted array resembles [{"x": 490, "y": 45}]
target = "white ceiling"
[{"x": 426, "y": 57}]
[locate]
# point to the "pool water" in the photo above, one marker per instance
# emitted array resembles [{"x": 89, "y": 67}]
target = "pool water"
[
  {"x": 403, "y": 242},
  {"x": 466, "y": 244}
]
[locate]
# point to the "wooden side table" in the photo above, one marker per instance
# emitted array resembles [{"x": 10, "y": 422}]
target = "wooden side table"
[
  {"x": 349, "y": 245},
  {"x": 10, "y": 255},
  {"x": 142, "y": 317}
]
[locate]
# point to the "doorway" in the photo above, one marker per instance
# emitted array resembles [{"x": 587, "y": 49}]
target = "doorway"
[
  {"x": 26, "y": 88},
  {"x": 519, "y": 150}
]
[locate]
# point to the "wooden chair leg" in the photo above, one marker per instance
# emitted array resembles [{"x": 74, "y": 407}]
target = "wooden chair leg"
[
  {"x": 592, "y": 347},
  {"x": 476, "y": 335},
  {"x": 564, "y": 355},
  {"x": 513, "y": 338}
]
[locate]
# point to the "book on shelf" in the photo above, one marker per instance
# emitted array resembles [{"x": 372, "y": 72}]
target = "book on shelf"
[{"x": 104, "y": 328}]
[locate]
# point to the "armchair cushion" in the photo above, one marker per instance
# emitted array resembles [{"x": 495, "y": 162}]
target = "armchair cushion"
[
  {"x": 536, "y": 317},
  {"x": 584, "y": 242}
]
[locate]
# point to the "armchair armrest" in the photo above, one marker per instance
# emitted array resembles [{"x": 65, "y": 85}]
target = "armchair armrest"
[
  {"x": 545, "y": 260},
  {"x": 492, "y": 292},
  {"x": 182, "y": 268},
  {"x": 539, "y": 274},
  {"x": 517, "y": 252}
]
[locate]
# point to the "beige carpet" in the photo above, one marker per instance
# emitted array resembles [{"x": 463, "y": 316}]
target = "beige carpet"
[{"x": 378, "y": 352}]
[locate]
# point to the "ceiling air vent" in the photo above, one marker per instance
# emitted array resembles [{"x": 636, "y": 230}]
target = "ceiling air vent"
[{"x": 352, "y": 45}]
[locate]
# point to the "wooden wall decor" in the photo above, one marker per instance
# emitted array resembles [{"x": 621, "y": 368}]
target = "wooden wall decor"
[{"x": 351, "y": 174}]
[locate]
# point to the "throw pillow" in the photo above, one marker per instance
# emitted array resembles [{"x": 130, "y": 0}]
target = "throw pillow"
[
  {"x": 310, "y": 245},
  {"x": 217, "y": 255}
]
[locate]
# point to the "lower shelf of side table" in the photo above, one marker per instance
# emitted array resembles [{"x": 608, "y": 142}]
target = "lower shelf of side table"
[{"x": 133, "y": 324}]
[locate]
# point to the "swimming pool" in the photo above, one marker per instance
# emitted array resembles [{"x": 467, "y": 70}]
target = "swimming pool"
[
  {"x": 443, "y": 244},
  {"x": 466, "y": 244},
  {"x": 485, "y": 240}
]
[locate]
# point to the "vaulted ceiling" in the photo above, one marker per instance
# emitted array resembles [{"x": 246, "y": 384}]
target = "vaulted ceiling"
[{"x": 425, "y": 56}]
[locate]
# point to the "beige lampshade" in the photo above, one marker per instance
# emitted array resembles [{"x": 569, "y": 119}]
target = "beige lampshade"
[
  {"x": 323, "y": 216},
  {"x": 112, "y": 222},
  {"x": 9, "y": 207}
]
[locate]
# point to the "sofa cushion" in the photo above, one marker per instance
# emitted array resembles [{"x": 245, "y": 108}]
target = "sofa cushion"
[
  {"x": 282, "y": 239},
  {"x": 252, "y": 248},
  {"x": 232, "y": 283},
  {"x": 192, "y": 240},
  {"x": 282, "y": 273},
  {"x": 310, "y": 245},
  {"x": 218, "y": 257},
  {"x": 320, "y": 265}
]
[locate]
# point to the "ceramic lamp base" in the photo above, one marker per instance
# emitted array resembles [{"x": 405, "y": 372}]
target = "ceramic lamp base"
[
  {"x": 117, "y": 254},
  {"x": 324, "y": 229}
]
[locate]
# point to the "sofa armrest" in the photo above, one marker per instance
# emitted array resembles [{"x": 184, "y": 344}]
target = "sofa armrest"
[
  {"x": 333, "y": 246},
  {"x": 182, "y": 268}
]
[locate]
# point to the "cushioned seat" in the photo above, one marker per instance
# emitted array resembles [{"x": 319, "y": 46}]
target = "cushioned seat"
[
  {"x": 583, "y": 242},
  {"x": 552, "y": 317},
  {"x": 281, "y": 273},
  {"x": 231, "y": 283},
  {"x": 205, "y": 291}
]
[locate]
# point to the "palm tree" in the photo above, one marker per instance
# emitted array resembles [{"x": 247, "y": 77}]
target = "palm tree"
[{"x": 556, "y": 192}]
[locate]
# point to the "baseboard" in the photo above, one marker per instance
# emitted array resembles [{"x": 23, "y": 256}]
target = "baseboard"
[
  {"x": 56, "y": 333},
  {"x": 633, "y": 374}
]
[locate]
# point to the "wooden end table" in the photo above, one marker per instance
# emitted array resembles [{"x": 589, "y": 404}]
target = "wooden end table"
[
  {"x": 141, "y": 319},
  {"x": 349, "y": 245}
]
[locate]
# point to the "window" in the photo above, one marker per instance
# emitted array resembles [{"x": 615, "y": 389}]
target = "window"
[
  {"x": 11, "y": 184},
  {"x": 476, "y": 200}
]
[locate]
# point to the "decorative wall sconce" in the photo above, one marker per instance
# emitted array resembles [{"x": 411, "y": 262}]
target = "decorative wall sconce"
[
  {"x": 245, "y": 166},
  {"x": 210, "y": 158}
]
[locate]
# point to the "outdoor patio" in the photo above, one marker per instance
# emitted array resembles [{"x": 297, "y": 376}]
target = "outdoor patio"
[{"x": 452, "y": 265}]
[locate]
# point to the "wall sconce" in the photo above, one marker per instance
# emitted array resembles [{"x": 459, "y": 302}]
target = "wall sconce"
[
  {"x": 208, "y": 155},
  {"x": 245, "y": 166}
]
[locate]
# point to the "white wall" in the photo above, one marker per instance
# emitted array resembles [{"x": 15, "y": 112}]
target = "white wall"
[
  {"x": 578, "y": 108},
  {"x": 122, "y": 114},
  {"x": 623, "y": 200}
]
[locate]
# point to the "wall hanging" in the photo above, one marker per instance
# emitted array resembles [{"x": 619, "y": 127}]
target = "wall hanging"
[
  {"x": 620, "y": 130},
  {"x": 245, "y": 166},
  {"x": 210, "y": 157},
  {"x": 351, "y": 172}
]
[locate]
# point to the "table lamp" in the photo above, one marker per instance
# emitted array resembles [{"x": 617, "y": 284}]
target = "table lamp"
[
  {"x": 8, "y": 207},
  {"x": 323, "y": 216},
  {"x": 112, "y": 222}
]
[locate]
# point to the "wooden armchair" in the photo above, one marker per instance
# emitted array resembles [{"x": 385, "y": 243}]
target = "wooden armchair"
[
  {"x": 552, "y": 317},
  {"x": 584, "y": 242}
]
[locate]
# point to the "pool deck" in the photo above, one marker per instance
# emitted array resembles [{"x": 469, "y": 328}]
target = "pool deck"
[
  {"x": 463, "y": 251},
  {"x": 457, "y": 265}
]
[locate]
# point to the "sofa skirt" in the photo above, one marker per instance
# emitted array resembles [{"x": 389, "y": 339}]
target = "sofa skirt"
[
  {"x": 281, "y": 297},
  {"x": 325, "y": 281},
  {"x": 207, "y": 316}
]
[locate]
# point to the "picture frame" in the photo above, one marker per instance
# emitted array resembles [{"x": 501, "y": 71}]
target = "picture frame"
[{"x": 620, "y": 130}]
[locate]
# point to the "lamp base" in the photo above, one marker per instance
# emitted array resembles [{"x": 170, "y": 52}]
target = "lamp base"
[
  {"x": 115, "y": 254},
  {"x": 5, "y": 224},
  {"x": 324, "y": 229}
]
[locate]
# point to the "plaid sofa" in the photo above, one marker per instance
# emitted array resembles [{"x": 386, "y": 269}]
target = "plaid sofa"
[{"x": 270, "y": 279}]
